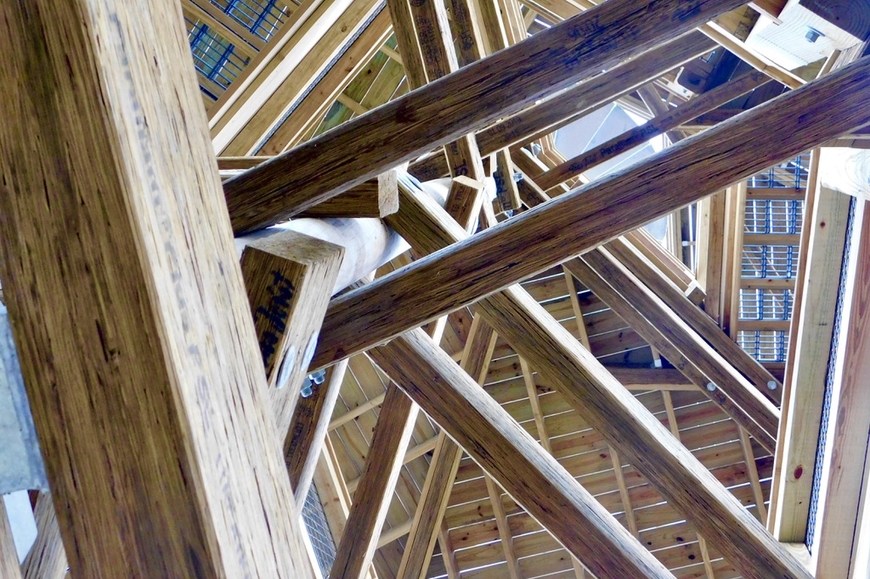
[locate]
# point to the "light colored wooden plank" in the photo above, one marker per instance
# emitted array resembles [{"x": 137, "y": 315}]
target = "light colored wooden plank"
[
  {"x": 135, "y": 338},
  {"x": 502, "y": 84},
  {"x": 846, "y": 442},
  {"x": 504, "y": 530},
  {"x": 591, "y": 215},
  {"x": 9, "y": 567},
  {"x": 307, "y": 113},
  {"x": 371, "y": 500}
]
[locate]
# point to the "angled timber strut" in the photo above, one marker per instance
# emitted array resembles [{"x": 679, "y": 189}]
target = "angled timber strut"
[
  {"x": 461, "y": 102},
  {"x": 586, "y": 217},
  {"x": 463, "y": 381}
]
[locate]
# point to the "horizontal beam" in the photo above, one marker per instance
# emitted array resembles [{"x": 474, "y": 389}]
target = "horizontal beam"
[
  {"x": 461, "y": 102},
  {"x": 577, "y": 221}
]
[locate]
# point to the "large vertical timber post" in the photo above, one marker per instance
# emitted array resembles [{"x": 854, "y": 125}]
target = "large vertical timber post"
[{"x": 127, "y": 304}]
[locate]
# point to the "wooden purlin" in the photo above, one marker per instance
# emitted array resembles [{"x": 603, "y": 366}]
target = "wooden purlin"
[
  {"x": 127, "y": 303},
  {"x": 593, "y": 214},
  {"x": 46, "y": 558}
]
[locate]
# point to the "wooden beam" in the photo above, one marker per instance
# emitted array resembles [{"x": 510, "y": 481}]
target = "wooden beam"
[
  {"x": 274, "y": 85},
  {"x": 376, "y": 197},
  {"x": 442, "y": 469},
  {"x": 698, "y": 320},
  {"x": 430, "y": 509},
  {"x": 463, "y": 101},
  {"x": 308, "y": 112},
  {"x": 667, "y": 379},
  {"x": 826, "y": 216},
  {"x": 593, "y": 93},
  {"x": 308, "y": 430},
  {"x": 677, "y": 342},
  {"x": 603, "y": 402},
  {"x": 846, "y": 440},
  {"x": 46, "y": 559},
  {"x": 289, "y": 278},
  {"x": 665, "y": 261},
  {"x": 504, "y": 530},
  {"x": 377, "y": 484},
  {"x": 126, "y": 297},
  {"x": 593, "y": 214},
  {"x": 653, "y": 128},
  {"x": 9, "y": 567},
  {"x": 512, "y": 457}
]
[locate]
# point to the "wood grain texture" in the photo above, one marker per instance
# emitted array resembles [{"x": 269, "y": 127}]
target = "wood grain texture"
[
  {"x": 47, "y": 558},
  {"x": 308, "y": 430},
  {"x": 377, "y": 484},
  {"x": 607, "y": 406},
  {"x": 592, "y": 94},
  {"x": 698, "y": 320},
  {"x": 9, "y": 567},
  {"x": 430, "y": 509},
  {"x": 289, "y": 278},
  {"x": 435, "y": 494},
  {"x": 461, "y": 102},
  {"x": 376, "y": 197},
  {"x": 593, "y": 214},
  {"x": 684, "y": 348},
  {"x": 638, "y": 436},
  {"x": 512, "y": 457},
  {"x": 847, "y": 434},
  {"x": 825, "y": 226},
  {"x": 659, "y": 125},
  {"x": 127, "y": 302}
]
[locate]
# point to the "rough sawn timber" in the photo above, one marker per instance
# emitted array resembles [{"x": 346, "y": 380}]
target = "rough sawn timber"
[
  {"x": 457, "y": 104},
  {"x": 586, "y": 217},
  {"x": 127, "y": 304}
]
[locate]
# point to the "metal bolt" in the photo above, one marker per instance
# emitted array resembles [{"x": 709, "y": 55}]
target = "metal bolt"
[
  {"x": 771, "y": 384},
  {"x": 711, "y": 387}
]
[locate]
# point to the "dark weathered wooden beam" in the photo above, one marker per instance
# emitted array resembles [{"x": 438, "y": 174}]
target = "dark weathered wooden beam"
[
  {"x": 377, "y": 484},
  {"x": 512, "y": 457},
  {"x": 126, "y": 298},
  {"x": 458, "y": 104},
  {"x": 376, "y": 197},
  {"x": 595, "y": 213},
  {"x": 608, "y": 407},
  {"x": 652, "y": 128},
  {"x": 289, "y": 278}
]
